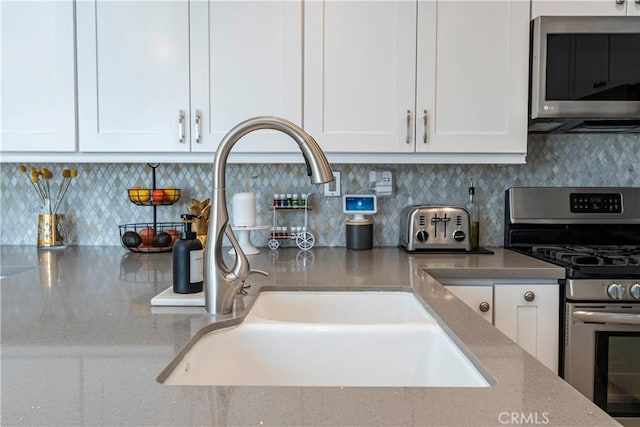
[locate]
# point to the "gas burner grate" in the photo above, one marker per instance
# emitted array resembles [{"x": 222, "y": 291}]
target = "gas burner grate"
[{"x": 575, "y": 255}]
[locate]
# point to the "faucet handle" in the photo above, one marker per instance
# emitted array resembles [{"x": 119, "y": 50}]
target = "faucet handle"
[
  {"x": 264, "y": 273},
  {"x": 246, "y": 285}
]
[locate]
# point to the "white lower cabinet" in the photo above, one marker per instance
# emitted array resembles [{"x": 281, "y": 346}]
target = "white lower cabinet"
[
  {"x": 529, "y": 315},
  {"x": 526, "y": 311},
  {"x": 480, "y": 298}
]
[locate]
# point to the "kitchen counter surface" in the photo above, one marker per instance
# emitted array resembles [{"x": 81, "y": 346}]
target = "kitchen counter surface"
[{"x": 82, "y": 346}]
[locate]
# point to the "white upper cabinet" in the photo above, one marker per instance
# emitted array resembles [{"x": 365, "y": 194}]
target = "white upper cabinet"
[
  {"x": 584, "y": 8},
  {"x": 175, "y": 76},
  {"x": 38, "y": 76},
  {"x": 437, "y": 77},
  {"x": 360, "y": 75},
  {"x": 246, "y": 61},
  {"x": 133, "y": 76},
  {"x": 472, "y": 76}
]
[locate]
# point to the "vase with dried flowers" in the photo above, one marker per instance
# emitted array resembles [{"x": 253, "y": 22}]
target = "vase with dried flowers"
[{"x": 51, "y": 218}]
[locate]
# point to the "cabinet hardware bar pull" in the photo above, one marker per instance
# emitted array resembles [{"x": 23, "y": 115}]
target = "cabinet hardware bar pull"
[
  {"x": 529, "y": 296},
  {"x": 181, "y": 127},
  {"x": 425, "y": 119},
  {"x": 198, "y": 134},
  {"x": 408, "y": 127},
  {"x": 622, "y": 1}
]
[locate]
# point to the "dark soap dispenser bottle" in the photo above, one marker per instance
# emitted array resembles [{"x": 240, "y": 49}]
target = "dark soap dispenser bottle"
[{"x": 188, "y": 254}]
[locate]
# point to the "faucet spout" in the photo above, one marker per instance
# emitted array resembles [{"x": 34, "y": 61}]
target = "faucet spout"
[{"x": 222, "y": 282}]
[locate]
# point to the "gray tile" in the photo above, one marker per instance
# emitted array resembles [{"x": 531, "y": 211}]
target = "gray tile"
[{"x": 98, "y": 200}]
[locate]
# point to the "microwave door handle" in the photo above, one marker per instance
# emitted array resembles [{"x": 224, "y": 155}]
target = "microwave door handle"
[{"x": 598, "y": 316}]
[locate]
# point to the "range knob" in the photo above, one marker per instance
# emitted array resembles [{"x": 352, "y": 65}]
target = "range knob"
[
  {"x": 422, "y": 235},
  {"x": 634, "y": 290},
  {"x": 615, "y": 290},
  {"x": 459, "y": 235}
]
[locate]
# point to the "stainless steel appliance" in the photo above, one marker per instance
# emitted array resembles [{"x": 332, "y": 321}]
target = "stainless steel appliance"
[
  {"x": 585, "y": 74},
  {"x": 435, "y": 227},
  {"x": 595, "y": 234}
]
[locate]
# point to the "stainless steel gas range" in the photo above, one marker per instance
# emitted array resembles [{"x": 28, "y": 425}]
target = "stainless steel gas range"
[{"x": 595, "y": 234}]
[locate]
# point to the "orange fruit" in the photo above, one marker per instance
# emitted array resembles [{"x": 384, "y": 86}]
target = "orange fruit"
[{"x": 157, "y": 195}]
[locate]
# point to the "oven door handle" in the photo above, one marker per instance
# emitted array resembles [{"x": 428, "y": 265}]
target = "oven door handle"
[{"x": 598, "y": 316}]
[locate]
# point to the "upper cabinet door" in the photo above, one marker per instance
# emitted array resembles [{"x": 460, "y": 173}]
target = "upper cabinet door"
[
  {"x": 472, "y": 76},
  {"x": 360, "y": 75},
  {"x": 584, "y": 8},
  {"x": 133, "y": 76},
  {"x": 38, "y": 77},
  {"x": 246, "y": 61}
]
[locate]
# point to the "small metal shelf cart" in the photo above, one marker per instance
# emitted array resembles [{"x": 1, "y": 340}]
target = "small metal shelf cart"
[{"x": 303, "y": 237}]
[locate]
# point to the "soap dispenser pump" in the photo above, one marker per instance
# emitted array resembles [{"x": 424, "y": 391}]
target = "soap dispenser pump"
[{"x": 188, "y": 257}]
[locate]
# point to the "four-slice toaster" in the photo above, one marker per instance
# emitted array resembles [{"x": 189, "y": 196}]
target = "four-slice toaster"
[{"x": 425, "y": 227}]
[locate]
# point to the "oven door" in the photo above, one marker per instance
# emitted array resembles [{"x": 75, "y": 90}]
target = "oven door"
[{"x": 602, "y": 356}]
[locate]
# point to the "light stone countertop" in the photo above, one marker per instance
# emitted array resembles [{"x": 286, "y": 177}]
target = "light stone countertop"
[{"x": 82, "y": 346}]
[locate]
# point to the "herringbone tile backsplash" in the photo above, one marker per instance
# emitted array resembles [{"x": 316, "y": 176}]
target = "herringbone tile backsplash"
[{"x": 98, "y": 200}]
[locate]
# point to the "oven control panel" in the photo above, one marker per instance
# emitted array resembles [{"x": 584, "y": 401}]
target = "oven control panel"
[
  {"x": 603, "y": 290},
  {"x": 596, "y": 202}
]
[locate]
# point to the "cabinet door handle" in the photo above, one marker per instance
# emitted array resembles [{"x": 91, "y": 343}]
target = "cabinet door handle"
[
  {"x": 198, "y": 133},
  {"x": 529, "y": 296},
  {"x": 622, "y": 1},
  {"x": 181, "y": 127},
  {"x": 425, "y": 120},
  {"x": 408, "y": 127},
  {"x": 484, "y": 307}
]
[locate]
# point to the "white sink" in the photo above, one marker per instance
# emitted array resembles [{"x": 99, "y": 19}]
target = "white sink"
[
  {"x": 338, "y": 308},
  {"x": 377, "y": 339}
]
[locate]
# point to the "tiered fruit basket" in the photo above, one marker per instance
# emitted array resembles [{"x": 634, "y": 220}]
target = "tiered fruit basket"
[{"x": 151, "y": 236}]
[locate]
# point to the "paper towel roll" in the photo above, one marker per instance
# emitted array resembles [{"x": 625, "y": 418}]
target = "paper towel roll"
[{"x": 244, "y": 209}]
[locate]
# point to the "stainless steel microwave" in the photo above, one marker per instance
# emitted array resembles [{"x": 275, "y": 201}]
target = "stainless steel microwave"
[{"x": 585, "y": 74}]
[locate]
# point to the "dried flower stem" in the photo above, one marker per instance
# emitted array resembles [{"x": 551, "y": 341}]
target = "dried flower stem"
[{"x": 39, "y": 179}]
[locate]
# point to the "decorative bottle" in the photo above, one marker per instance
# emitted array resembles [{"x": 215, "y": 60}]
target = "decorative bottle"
[{"x": 474, "y": 216}]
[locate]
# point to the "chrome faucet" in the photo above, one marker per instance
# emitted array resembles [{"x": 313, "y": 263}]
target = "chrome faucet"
[{"x": 221, "y": 283}]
